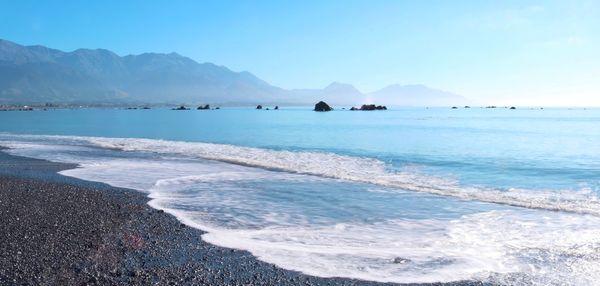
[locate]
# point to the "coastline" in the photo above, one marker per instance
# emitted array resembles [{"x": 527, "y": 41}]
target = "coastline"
[{"x": 61, "y": 230}]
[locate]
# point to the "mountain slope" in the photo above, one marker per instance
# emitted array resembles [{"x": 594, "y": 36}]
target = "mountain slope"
[{"x": 36, "y": 74}]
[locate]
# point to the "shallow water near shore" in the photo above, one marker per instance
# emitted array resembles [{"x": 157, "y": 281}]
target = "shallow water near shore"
[{"x": 405, "y": 195}]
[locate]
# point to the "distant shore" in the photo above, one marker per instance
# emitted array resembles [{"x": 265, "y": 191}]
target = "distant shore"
[{"x": 57, "y": 230}]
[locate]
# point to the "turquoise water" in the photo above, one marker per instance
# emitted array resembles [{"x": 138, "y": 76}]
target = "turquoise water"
[{"x": 497, "y": 195}]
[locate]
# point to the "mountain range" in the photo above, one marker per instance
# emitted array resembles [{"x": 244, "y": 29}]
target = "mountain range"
[{"x": 37, "y": 74}]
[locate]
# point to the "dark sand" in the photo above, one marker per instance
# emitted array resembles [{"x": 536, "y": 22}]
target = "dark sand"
[{"x": 57, "y": 230}]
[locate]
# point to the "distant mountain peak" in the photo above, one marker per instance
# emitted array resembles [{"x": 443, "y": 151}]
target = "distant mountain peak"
[{"x": 338, "y": 86}]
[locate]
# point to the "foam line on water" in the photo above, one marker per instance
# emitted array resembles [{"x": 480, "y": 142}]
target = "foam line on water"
[
  {"x": 348, "y": 168},
  {"x": 359, "y": 169}
]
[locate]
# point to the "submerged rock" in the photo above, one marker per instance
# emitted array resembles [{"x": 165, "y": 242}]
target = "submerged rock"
[
  {"x": 400, "y": 260},
  {"x": 322, "y": 106}
]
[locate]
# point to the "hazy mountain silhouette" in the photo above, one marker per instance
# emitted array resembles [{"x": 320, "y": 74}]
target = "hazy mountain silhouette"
[{"x": 37, "y": 74}]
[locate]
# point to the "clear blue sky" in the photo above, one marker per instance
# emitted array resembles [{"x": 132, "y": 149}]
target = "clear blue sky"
[{"x": 504, "y": 52}]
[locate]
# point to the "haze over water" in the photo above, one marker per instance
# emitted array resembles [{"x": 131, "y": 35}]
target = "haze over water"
[{"x": 404, "y": 195}]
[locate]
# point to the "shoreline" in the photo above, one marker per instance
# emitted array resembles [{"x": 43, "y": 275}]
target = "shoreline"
[{"x": 62, "y": 230}]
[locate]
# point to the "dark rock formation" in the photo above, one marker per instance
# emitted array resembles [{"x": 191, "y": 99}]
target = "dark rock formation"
[
  {"x": 322, "y": 106},
  {"x": 276, "y": 107},
  {"x": 205, "y": 107},
  {"x": 353, "y": 108},
  {"x": 259, "y": 106},
  {"x": 454, "y": 107},
  {"x": 180, "y": 108},
  {"x": 369, "y": 107},
  {"x": 512, "y": 107}
]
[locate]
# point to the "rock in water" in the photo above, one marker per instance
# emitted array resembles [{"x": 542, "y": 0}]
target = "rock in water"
[
  {"x": 322, "y": 106},
  {"x": 259, "y": 106},
  {"x": 400, "y": 260},
  {"x": 512, "y": 107},
  {"x": 203, "y": 107},
  {"x": 181, "y": 108},
  {"x": 369, "y": 107},
  {"x": 276, "y": 107}
]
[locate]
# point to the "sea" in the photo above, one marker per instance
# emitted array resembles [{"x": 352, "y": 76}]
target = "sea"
[{"x": 408, "y": 195}]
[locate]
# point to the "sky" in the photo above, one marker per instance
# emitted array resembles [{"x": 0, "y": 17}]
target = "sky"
[{"x": 493, "y": 52}]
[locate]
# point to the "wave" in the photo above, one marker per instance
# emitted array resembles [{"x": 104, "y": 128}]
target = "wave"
[
  {"x": 347, "y": 168},
  {"x": 360, "y": 169}
]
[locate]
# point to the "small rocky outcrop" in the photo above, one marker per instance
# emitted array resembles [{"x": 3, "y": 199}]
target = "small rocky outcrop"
[
  {"x": 259, "y": 106},
  {"x": 512, "y": 107},
  {"x": 205, "y": 107},
  {"x": 321, "y": 106},
  {"x": 369, "y": 107},
  {"x": 180, "y": 108},
  {"x": 276, "y": 107}
]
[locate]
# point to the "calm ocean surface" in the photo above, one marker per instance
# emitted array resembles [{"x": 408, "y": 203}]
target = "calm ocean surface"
[{"x": 404, "y": 195}]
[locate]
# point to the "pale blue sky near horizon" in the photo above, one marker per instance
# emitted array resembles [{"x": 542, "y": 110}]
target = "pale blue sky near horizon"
[{"x": 494, "y": 52}]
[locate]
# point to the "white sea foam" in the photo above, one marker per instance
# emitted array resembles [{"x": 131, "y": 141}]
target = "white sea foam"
[
  {"x": 358, "y": 169},
  {"x": 349, "y": 168},
  {"x": 501, "y": 247}
]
